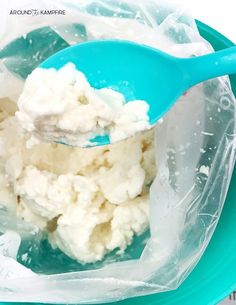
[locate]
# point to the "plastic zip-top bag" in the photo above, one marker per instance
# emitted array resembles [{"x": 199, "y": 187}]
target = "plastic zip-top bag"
[{"x": 186, "y": 167}]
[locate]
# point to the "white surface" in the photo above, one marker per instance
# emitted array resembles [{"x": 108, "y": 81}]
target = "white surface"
[
  {"x": 218, "y": 14},
  {"x": 231, "y": 300}
]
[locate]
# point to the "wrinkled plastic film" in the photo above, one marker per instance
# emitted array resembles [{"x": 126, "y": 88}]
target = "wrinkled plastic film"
[{"x": 195, "y": 151}]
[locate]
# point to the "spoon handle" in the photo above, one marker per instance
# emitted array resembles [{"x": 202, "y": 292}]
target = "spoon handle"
[{"x": 201, "y": 68}]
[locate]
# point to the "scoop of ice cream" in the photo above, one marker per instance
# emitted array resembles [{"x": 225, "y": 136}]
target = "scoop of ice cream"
[{"x": 61, "y": 106}]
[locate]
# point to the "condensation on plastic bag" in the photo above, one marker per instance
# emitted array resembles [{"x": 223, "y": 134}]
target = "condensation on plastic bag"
[{"x": 195, "y": 147}]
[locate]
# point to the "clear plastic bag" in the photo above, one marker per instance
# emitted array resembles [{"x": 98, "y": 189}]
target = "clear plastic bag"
[{"x": 195, "y": 153}]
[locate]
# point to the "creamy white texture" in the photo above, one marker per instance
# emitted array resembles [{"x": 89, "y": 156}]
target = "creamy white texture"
[
  {"x": 61, "y": 106},
  {"x": 88, "y": 201}
]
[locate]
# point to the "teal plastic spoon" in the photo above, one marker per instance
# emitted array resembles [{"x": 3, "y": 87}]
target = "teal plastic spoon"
[{"x": 141, "y": 72}]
